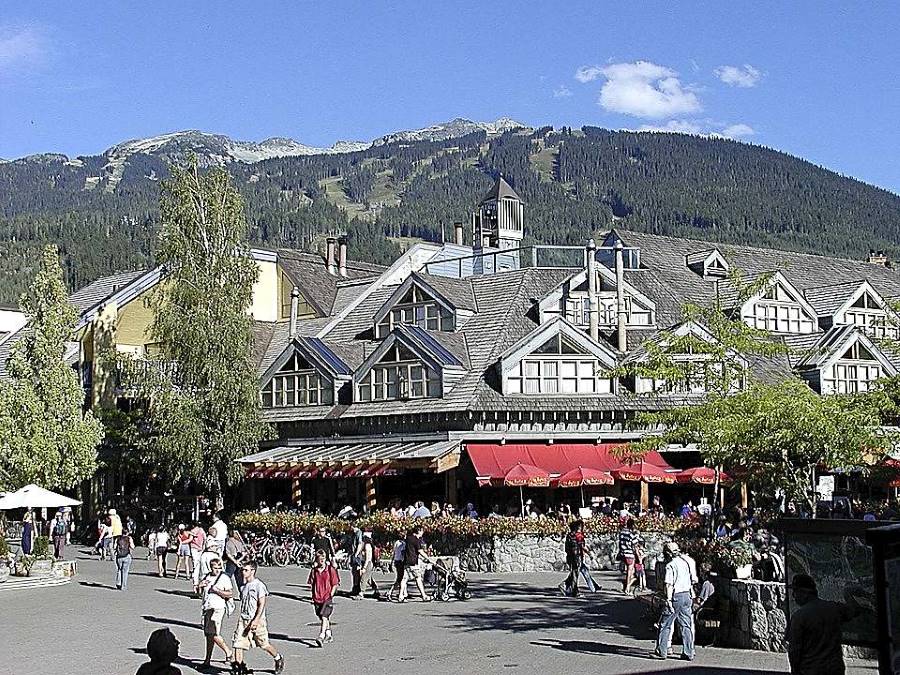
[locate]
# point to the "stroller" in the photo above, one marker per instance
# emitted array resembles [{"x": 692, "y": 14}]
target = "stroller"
[{"x": 449, "y": 578}]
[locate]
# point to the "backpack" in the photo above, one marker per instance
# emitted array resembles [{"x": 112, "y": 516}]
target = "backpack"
[
  {"x": 123, "y": 546},
  {"x": 59, "y": 528},
  {"x": 571, "y": 545}
]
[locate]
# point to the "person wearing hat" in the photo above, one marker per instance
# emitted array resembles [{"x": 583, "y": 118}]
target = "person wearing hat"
[
  {"x": 162, "y": 648},
  {"x": 680, "y": 577},
  {"x": 814, "y": 632},
  {"x": 115, "y": 523}
]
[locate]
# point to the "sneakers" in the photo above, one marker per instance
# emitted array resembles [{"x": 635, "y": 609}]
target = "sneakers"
[{"x": 279, "y": 664}]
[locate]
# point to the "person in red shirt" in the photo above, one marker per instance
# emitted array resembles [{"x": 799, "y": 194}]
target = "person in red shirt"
[{"x": 323, "y": 582}]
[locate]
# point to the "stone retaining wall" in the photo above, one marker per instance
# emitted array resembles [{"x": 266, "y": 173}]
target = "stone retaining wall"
[
  {"x": 533, "y": 553},
  {"x": 753, "y": 614}
]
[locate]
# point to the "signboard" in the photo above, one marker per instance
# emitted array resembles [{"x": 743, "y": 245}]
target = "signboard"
[{"x": 825, "y": 488}]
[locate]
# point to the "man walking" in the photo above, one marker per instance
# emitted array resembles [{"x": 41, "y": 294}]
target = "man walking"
[
  {"x": 814, "y": 633},
  {"x": 323, "y": 582},
  {"x": 216, "y": 591},
  {"x": 681, "y": 575},
  {"x": 58, "y": 530},
  {"x": 198, "y": 545},
  {"x": 252, "y": 628},
  {"x": 355, "y": 551},
  {"x": 412, "y": 567}
]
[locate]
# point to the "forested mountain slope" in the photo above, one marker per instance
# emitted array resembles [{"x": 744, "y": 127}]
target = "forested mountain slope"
[{"x": 104, "y": 214}]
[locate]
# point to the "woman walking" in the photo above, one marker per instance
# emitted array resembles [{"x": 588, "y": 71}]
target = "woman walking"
[
  {"x": 368, "y": 582},
  {"x": 627, "y": 542},
  {"x": 124, "y": 547},
  {"x": 184, "y": 551},
  {"x": 27, "y": 531},
  {"x": 397, "y": 559},
  {"x": 162, "y": 550}
]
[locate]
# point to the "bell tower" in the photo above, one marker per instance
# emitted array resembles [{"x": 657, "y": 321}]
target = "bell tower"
[{"x": 499, "y": 222}]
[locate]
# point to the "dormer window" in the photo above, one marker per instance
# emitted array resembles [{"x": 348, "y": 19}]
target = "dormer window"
[
  {"x": 779, "y": 308},
  {"x": 399, "y": 375},
  {"x": 869, "y": 314},
  {"x": 571, "y": 300},
  {"x": 855, "y": 371},
  {"x": 416, "y": 308},
  {"x": 297, "y": 383},
  {"x": 709, "y": 264}
]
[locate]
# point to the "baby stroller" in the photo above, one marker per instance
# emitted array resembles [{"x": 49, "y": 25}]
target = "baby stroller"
[{"x": 449, "y": 578}]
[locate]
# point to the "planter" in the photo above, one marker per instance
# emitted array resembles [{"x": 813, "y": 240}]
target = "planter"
[{"x": 4, "y": 572}]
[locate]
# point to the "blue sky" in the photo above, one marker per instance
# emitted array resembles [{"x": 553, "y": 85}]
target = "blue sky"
[{"x": 817, "y": 80}]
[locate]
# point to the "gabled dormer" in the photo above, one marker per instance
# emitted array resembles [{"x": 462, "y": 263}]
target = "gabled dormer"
[
  {"x": 845, "y": 361},
  {"x": 869, "y": 311},
  {"x": 306, "y": 373},
  {"x": 410, "y": 363},
  {"x": 695, "y": 352},
  {"x": 557, "y": 358},
  {"x": 571, "y": 300},
  {"x": 709, "y": 264},
  {"x": 431, "y": 304},
  {"x": 778, "y": 307}
]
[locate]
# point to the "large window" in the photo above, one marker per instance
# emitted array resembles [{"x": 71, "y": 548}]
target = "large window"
[
  {"x": 418, "y": 309},
  {"x": 698, "y": 376},
  {"x": 578, "y": 311},
  {"x": 399, "y": 375},
  {"x": 558, "y": 368},
  {"x": 870, "y": 316},
  {"x": 856, "y": 371},
  {"x": 777, "y": 312},
  {"x": 297, "y": 384}
]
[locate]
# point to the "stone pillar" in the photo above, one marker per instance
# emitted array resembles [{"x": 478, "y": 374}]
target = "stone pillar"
[
  {"x": 645, "y": 495},
  {"x": 371, "y": 496},
  {"x": 296, "y": 492}
]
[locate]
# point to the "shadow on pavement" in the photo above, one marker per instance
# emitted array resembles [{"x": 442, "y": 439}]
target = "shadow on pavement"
[
  {"x": 288, "y": 596},
  {"x": 197, "y": 626},
  {"x": 181, "y": 594},
  {"x": 94, "y": 584}
]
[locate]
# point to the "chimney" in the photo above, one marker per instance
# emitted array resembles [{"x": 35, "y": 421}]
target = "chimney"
[
  {"x": 593, "y": 315},
  {"x": 295, "y": 303},
  {"x": 621, "y": 338},
  {"x": 458, "y": 233},
  {"x": 878, "y": 258},
  {"x": 342, "y": 256},
  {"x": 330, "y": 244}
]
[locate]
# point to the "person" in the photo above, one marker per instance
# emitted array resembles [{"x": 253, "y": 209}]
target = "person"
[
  {"x": 151, "y": 543},
  {"x": 198, "y": 545},
  {"x": 205, "y": 561},
  {"x": 573, "y": 560},
  {"x": 217, "y": 593},
  {"x": 124, "y": 547},
  {"x": 221, "y": 534},
  {"x": 680, "y": 577},
  {"x": 322, "y": 542},
  {"x": 104, "y": 536},
  {"x": 627, "y": 540},
  {"x": 814, "y": 632},
  {"x": 252, "y": 628},
  {"x": 161, "y": 550},
  {"x": 323, "y": 583},
  {"x": 115, "y": 523},
  {"x": 235, "y": 552},
  {"x": 436, "y": 510},
  {"x": 162, "y": 648},
  {"x": 27, "y": 531},
  {"x": 412, "y": 567},
  {"x": 183, "y": 540},
  {"x": 367, "y": 580},
  {"x": 397, "y": 557},
  {"x": 355, "y": 551},
  {"x": 470, "y": 512},
  {"x": 59, "y": 528},
  {"x": 421, "y": 511},
  {"x": 640, "y": 574}
]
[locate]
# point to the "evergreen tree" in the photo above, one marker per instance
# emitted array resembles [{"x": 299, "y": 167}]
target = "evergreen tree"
[
  {"x": 46, "y": 436},
  {"x": 205, "y": 407}
]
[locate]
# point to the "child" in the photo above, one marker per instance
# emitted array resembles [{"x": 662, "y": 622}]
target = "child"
[
  {"x": 323, "y": 582},
  {"x": 640, "y": 576}
]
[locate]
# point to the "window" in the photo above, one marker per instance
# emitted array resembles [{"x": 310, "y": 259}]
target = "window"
[
  {"x": 855, "y": 372},
  {"x": 557, "y": 367},
  {"x": 304, "y": 309},
  {"x": 418, "y": 309},
  {"x": 297, "y": 383},
  {"x": 869, "y": 315},
  {"x": 399, "y": 375},
  {"x": 699, "y": 377},
  {"x": 578, "y": 311},
  {"x": 777, "y": 312}
]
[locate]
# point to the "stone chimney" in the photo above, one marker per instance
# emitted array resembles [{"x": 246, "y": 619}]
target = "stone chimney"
[
  {"x": 879, "y": 258},
  {"x": 342, "y": 256},
  {"x": 295, "y": 304},
  {"x": 458, "y": 233},
  {"x": 330, "y": 246}
]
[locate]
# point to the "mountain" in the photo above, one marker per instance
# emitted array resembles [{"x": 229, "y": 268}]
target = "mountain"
[{"x": 102, "y": 210}]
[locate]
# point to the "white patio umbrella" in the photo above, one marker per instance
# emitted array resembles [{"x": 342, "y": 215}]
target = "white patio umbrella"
[{"x": 35, "y": 497}]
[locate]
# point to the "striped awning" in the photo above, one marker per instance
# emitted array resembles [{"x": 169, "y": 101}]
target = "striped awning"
[{"x": 350, "y": 460}]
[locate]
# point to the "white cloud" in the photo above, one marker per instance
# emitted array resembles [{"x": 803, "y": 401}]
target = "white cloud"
[
  {"x": 738, "y": 76},
  {"x": 562, "y": 91},
  {"x": 21, "y": 46},
  {"x": 588, "y": 73},
  {"x": 736, "y": 131},
  {"x": 644, "y": 89},
  {"x": 674, "y": 126}
]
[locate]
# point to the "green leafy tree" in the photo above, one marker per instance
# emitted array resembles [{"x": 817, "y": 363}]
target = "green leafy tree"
[
  {"x": 46, "y": 436},
  {"x": 203, "y": 397}
]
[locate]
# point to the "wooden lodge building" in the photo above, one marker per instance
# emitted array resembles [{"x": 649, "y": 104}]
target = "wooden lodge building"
[{"x": 433, "y": 377}]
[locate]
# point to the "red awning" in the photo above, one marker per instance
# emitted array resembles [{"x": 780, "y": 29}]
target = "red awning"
[{"x": 493, "y": 461}]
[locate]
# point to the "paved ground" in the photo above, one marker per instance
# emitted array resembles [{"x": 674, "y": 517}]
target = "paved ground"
[{"x": 514, "y": 623}]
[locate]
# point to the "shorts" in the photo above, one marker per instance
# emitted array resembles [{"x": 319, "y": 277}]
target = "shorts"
[
  {"x": 324, "y": 609},
  {"x": 212, "y": 621},
  {"x": 161, "y": 550},
  {"x": 246, "y": 639},
  {"x": 184, "y": 550},
  {"x": 414, "y": 571},
  {"x": 628, "y": 559}
]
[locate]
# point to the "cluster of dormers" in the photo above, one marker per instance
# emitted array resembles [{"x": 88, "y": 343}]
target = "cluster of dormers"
[{"x": 411, "y": 360}]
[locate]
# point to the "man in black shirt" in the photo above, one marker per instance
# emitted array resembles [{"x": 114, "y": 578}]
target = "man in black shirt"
[
  {"x": 322, "y": 542},
  {"x": 412, "y": 567}
]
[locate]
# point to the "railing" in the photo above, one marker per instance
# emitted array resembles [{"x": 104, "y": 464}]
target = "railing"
[{"x": 138, "y": 371}]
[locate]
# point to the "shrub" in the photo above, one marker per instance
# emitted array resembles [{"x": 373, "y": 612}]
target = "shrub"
[
  {"x": 4, "y": 548},
  {"x": 41, "y": 548}
]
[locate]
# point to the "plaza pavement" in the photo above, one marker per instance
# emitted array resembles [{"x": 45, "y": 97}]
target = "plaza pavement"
[{"x": 513, "y": 624}]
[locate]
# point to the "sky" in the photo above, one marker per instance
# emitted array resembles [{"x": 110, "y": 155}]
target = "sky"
[{"x": 818, "y": 80}]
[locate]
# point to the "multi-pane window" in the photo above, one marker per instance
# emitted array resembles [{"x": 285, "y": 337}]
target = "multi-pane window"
[
  {"x": 558, "y": 368},
  {"x": 399, "y": 375},
  {"x": 418, "y": 309},
  {"x": 578, "y": 311},
  {"x": 297, "y": 383},
  {"x": 699, "y": 376},
  {"x": 870, "y": 316},
  {"x": 777, "y": 312},
  {"x": 856, "y": 371}
]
